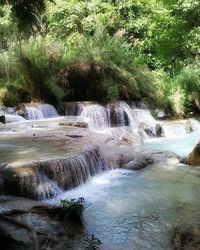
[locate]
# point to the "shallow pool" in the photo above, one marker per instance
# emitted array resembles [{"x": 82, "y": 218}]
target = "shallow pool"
[
  {"x": 182, "y": 145},
  {"x": 18, "y": 150},
  {"x": 140, "y": 210}
]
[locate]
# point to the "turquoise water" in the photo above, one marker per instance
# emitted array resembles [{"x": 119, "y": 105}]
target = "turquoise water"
[
  {"x": 20, "y": 150},
  {"x": 139, "y": 210},
  {"x": 181, "y": 145}
]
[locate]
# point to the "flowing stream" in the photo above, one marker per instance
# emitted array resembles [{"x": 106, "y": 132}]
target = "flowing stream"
[
  {"x": 124, "y": 209},
  {"x": 141, "y": 209}
]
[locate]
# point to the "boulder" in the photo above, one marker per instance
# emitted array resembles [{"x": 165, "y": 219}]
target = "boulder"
[
  {"x": 139, "y": 161},
  {"x": 194, "y": 157},
  {"x": 145, "y": 131},
  {"x": 3, "y": 119},
  {"x": 131, "y": 138},
  {"x": 27, "y": 224}
]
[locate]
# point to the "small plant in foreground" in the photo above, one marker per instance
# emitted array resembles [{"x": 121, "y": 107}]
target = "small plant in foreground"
[
  {"x": 70, "y": 211},
  {"x": 92, "y": 243}
]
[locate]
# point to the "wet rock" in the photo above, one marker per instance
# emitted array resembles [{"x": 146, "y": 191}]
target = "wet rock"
[
  {"x": 139, "y": 161},
  {"x": 21, "y": 110},
  {"x": 144, "y": 131},
  {"x": 3, "y": 119},
  {"x": 131, "y": 138},
  {"x": 194, "y": 157},
  {"x": 74, "y": 124},
  {"x": 29, "y": 225},
  {"x": 186, "y": 238},
  {"x": 160, "y": 157},
  {"x": 159, "y": 130},
  {"x": 133, "y": 165},
  {"x": 48, "y": 178},
  {"x": 182, "y": 159}
]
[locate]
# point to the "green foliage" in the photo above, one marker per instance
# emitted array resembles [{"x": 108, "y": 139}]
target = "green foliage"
[
  {"x": 70, "y": 211},
  {"x": 92, "y": 243},
  {"x": 10, "y": 97},
  {"x": 102, "y": 50},
  {"x": 8, "y": 29},
  {"x": 37, "y": 66},
  {"x": 26, "y": 12},
  {"x": 108, "y": 67},
  {"x": 176, "y": 95}
]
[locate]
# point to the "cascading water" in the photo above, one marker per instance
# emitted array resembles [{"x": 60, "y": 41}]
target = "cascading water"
[
  {"x": 46, "y": 179},
  {"x": 171, "y": 129},
  {"x": 96, "y": 116},
  {"x": 37, "y": 185},
  {"x": 127, "y": 109},
  {"x": 121, "y": 121},
  {"x": 137, "y": 117},
  {"x": 118, "y": 114},
  {"x": 47, "y": 110},
  {"x": 33, "y": 113},
  {"x": 194, "y": 124},
  {"x": 40, "y": 111}
]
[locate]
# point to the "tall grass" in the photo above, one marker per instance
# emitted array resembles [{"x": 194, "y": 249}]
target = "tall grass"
[{"x": 99, "y": 67}]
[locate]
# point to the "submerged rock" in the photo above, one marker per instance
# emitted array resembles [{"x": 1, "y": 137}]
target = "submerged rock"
[
  {"x": 186, "y": 238},
  {"x": 194, "y": 157}
]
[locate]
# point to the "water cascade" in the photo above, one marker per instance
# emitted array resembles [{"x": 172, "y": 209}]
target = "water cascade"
[
  {"x": 194, "y": 124},
  {"x": 118, "y": 114},
  {"x": 96, "y": 116},
  {"x": 46, "y": 179},
  {"x": 40, "y": 111},
  {"x": 171, "y": 129}
]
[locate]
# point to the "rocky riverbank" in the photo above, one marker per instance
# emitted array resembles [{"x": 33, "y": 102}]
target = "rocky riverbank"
[
  {"x": 45, "y": 162},
  {"x": 41, "y": 159}
]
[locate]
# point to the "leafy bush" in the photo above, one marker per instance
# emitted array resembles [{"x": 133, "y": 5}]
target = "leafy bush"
[
  {"x": 99, "y": 50},
  {"x": 37, "y": 65},
  {"x": 176, "y": 95},
  {"x": 70, "y": 211}
]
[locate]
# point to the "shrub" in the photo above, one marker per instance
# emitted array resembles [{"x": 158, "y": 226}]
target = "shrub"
[{"x": 70, "y": 211}]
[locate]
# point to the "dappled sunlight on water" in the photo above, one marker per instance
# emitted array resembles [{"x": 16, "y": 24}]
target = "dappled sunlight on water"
[{"x": 17, "y": 151}]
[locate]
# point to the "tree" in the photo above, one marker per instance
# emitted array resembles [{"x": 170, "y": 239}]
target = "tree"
[{"x": 26, "y": 12}]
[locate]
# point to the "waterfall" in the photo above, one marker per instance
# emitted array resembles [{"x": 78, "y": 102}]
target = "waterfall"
[
  {"x": 119, "y": 114},
  {"x": 139, "y": 119},
  {"x": 37, "y": 185},
  {"x": 127, "y": 109},
  {"x": 46, "y": 179},
  {"x": 33, "y": 113},
  {"x": 47, "y": 110},
  {"x": 96, "y": 116},
  {"x": 40, "y": 111},
  {"x": 172, "y": 129},
  {"x": 194, "y": 124}
]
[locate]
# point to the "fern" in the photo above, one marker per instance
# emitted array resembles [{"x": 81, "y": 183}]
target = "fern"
[{"x": 92, "y": 243}]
